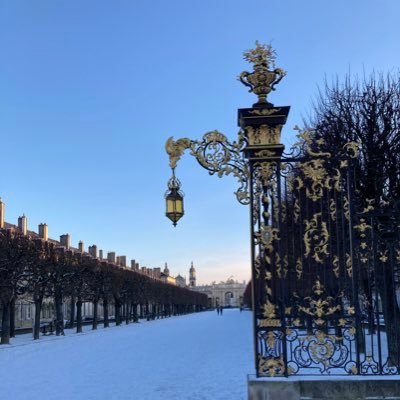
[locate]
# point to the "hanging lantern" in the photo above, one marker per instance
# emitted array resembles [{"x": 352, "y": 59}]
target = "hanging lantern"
[{"x": 174, "y": 200}]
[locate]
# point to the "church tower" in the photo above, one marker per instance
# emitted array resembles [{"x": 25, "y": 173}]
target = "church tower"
[
  {"x": 192, "y": 276},
  {"x": 166, "y": 270}
]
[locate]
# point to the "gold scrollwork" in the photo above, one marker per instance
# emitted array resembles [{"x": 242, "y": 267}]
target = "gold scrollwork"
[
  {"x": 307, "y": 140},
  {"x": 266, "y": 235},
  {"x": 266, "y": 172},
  {"x": 176, "y": 149},
  {"x": 332, "y": 209},
  {"x": 270, "y": 339},
  {"x": 354, "y": 370},
  {"x": 269, "y": 310},
  {"x": 264, "y": 153},
  {"x": 285, "y": 265},
  {"x": 257, "y": 266},
  {"x": 352, "y": 148},
  {"x": 296, "y": 210},
  {"x": 264, "y": 134},
  {"x": 270, "y": 323},
  {"x": 322, "y": 349},
  {"x": 265, "y": 111},
  {"x": 297, "y": 322},
  {"x": 315, "y": 172},
  {"x": 336, "y": 180},
  {"x": 362, "y": 227},
  {"x": 278, "y": 265},
  {"x": 216, "y": 154},
  {"x": 271, "y": 366},
  {"x": 349, "y": 265},
  {"x": 316, "y": 238},
  {"x": 369, "y": 206},
  {"x": 383, "y": 256},
  {"x": 335, "y": 268},
  {"x": 299, "y": 268},
  {"x": 346, "y": 208},
  {"x": 320, "y": 307}
]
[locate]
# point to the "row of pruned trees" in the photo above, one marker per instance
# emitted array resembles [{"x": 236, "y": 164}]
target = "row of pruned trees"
[{"x": 41, "y": 270}]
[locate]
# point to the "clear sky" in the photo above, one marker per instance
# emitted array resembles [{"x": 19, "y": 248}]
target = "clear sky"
[{"x": 90, "y": 91}]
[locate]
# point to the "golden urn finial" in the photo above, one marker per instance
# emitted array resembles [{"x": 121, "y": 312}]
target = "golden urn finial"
[{"x": 264, "y": 76}]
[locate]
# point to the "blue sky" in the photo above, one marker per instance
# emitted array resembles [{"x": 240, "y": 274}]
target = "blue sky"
[{"x": 90, "y": 91}]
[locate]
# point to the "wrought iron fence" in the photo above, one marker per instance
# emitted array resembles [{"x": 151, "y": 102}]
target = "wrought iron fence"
[{"x": 326, "y": 267}]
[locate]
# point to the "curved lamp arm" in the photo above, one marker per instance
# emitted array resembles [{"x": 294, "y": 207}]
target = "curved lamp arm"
[{"x": 218, "y": 156}]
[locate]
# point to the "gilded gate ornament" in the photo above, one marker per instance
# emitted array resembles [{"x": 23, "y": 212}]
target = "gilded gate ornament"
[
  {"x": 320, "y": 305},
  {"x": 264, "y": 76},
  {"x": 352, "y": 149},
  {"x": 264, "y": 135},
  {"x": 309, "y": 144},
  {"x": 316, "y": 237},
  {"x": 317, "y": 178},
  {"x": 216, "y": 154},
  {"x": 175, "y": 149}
]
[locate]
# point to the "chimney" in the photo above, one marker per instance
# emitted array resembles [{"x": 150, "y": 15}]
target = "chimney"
[
  {"x": 118, "y": 260},
  {"x": 122, "y": 260},
  {"x": 43, "y": 231},
  {"x": 137, "y": 266},
  {"x": 133, "y": 264},
  {"x": 93, "y": 251},
  {"x": 101, "y": 254},
  {"x": 157, "y": 272},
  {"x": 81, "y": 247},
  {"x": 2, "y": 207},
  {"x": 65, "y": 241},
  {"x": 111, "y": 256},
  {"x": 23, "y": 224}
]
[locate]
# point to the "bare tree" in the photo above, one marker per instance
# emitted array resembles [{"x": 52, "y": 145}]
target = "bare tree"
[
  {"x": 38, "y": 283},
  {"x": 367, "y": 111},
  {"x": 14, "y": 262}
]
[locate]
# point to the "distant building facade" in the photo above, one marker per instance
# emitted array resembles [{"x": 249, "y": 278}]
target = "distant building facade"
[{"x": 225, "y": 294}]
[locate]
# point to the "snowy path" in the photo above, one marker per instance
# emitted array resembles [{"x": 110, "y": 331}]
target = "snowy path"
[{"x": 195, "y": 357}]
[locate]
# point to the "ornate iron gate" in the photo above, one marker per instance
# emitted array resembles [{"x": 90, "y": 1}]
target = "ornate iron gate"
[
  {"x": 325, "y": 261},
  {"x": 324, "y": 279}
]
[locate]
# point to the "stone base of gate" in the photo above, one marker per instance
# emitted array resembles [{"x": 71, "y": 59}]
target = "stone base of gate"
[{"x": 329, "y": 388}]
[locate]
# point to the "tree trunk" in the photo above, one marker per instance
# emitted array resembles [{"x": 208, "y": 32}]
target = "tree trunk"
[
  {"x": 72, "y": 313},
  {"x": 117, "y": 312},
  {"x": 5, "y": 324},
  {"x": 127, "y": 312},
  {"x": 95, "y": 316},
  {"x": 79, "y": 315},
  {"x": 59, "y": 315},
  {"x": 105, "y": 311},
  {"x": 12, "y": 318},
  {"x": 36, "y": 327}
]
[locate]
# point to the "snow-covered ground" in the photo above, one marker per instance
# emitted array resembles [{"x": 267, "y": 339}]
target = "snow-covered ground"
[{"x": 195, "y": 357}]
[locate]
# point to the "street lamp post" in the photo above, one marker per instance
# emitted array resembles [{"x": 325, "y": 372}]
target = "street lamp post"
[{"x": 252, "y": 160}]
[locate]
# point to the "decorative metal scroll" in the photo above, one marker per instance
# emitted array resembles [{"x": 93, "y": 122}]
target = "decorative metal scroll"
[
  {"x": 217, "y": 155},
  {"x": 326, "y": 267}
]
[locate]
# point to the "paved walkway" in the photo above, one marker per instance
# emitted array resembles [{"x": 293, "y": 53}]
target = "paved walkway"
[{"x": 198, "y": 357}]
